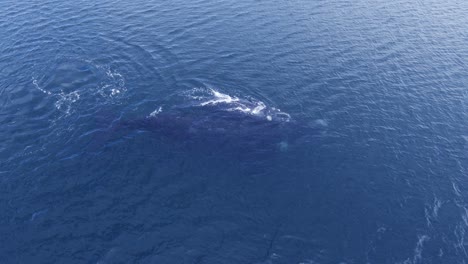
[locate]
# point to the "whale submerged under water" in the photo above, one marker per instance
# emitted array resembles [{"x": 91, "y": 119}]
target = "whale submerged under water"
[
  {"x": 221, "y": 121},
  {"x": 211, "y": 127}
]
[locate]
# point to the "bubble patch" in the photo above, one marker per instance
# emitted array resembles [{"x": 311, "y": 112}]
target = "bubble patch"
[
  {"x": 74, "y": 80},
  {"x": 65, "y": 101},
  {"x": 113, "y": 85},
  {"x": 34, "y": 81}
]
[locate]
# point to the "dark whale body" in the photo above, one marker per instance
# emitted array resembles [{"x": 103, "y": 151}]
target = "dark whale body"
[
  {"x": 214, "y": 128},
  {"x": 206, "y": 119}
]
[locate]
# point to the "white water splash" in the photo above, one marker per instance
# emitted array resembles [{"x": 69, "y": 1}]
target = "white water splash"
[
  {"x": 249, "y": 106},
  {"x": 156, "y": 112},
  {"x": 220, "y": 98}
]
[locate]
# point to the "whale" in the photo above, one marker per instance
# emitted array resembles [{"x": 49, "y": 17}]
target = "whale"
[
  {"x": 217, "y": 122},
  {"x": 214, "y": 128}
]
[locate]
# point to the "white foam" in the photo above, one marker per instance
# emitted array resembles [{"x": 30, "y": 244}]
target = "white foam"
[
  {"x": 250, "y": 106},
  {"x": 66, "y": 100},
  {"x": 156, "y": 112},
  {"x": 113, "y": 84},
  {"x": 220, "y": 98},
  {"x": 259, "y": 108},
  {"x": 39, "y": 88}
]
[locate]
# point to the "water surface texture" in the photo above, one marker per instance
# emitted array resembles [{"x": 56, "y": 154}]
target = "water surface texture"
[{"x": 234, "y": 131}]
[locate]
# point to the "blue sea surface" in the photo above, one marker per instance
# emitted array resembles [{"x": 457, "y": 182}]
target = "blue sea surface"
[{"x": 234, "y": 131}]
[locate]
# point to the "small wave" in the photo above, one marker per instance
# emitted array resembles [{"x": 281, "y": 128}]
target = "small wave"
[
  {"x": 419, "y": 248},
  {"x": 321, "y": 122},
  {"x": 431, "y": 212}
]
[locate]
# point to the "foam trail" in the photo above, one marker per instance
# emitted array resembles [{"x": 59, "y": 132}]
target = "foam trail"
[{"x": 39, "y": 88}]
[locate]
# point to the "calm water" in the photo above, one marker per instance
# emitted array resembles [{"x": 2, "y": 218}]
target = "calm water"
[{"x": 234, "y": 131}]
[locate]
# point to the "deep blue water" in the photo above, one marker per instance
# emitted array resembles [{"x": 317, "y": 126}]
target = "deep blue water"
[{"x": 234, "y": 131}]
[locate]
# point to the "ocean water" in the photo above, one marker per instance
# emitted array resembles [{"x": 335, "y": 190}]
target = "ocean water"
[{"x": 234, "y": 131}]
